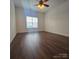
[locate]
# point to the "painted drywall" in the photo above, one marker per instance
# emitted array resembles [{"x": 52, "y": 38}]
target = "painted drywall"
[
  {"x": 57, "y": 20},
  {"x": 12, "y": 21},
  {"x": 21, "y": 19}
]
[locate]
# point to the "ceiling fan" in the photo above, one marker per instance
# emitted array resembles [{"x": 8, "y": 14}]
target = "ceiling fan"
[{"x": 42, "y": 3}]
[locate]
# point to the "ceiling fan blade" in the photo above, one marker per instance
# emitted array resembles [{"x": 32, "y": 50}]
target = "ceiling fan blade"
[
  {"x": 46, "y": 5},
  {"x": 45, "y": 0}
]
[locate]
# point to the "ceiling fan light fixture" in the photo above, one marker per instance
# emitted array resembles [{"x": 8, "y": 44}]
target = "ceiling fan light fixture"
[{"x": 40, "y": 6}]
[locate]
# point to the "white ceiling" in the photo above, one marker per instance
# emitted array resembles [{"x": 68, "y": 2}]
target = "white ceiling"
[{"x": 30, "y": 4}]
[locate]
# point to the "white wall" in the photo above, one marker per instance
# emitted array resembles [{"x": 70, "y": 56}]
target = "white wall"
[
  {"x": 57, "y": 20},
  {"x": 41, "y": 19},
  {"x": 21, "y": 20},
  {"x": 12, "y": 21}
]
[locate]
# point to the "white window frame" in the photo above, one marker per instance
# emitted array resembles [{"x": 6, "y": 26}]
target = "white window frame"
[{"x": 32, "y": 23}]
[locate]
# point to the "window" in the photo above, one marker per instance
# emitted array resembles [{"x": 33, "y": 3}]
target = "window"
[{"x": 31, "y": 22}]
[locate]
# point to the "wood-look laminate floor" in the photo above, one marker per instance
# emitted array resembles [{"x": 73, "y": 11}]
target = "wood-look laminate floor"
[{"x": 39, "y": 45}]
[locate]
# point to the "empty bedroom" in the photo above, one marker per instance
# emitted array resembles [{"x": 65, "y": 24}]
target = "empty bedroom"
[{"x": 39, "y": 29}]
